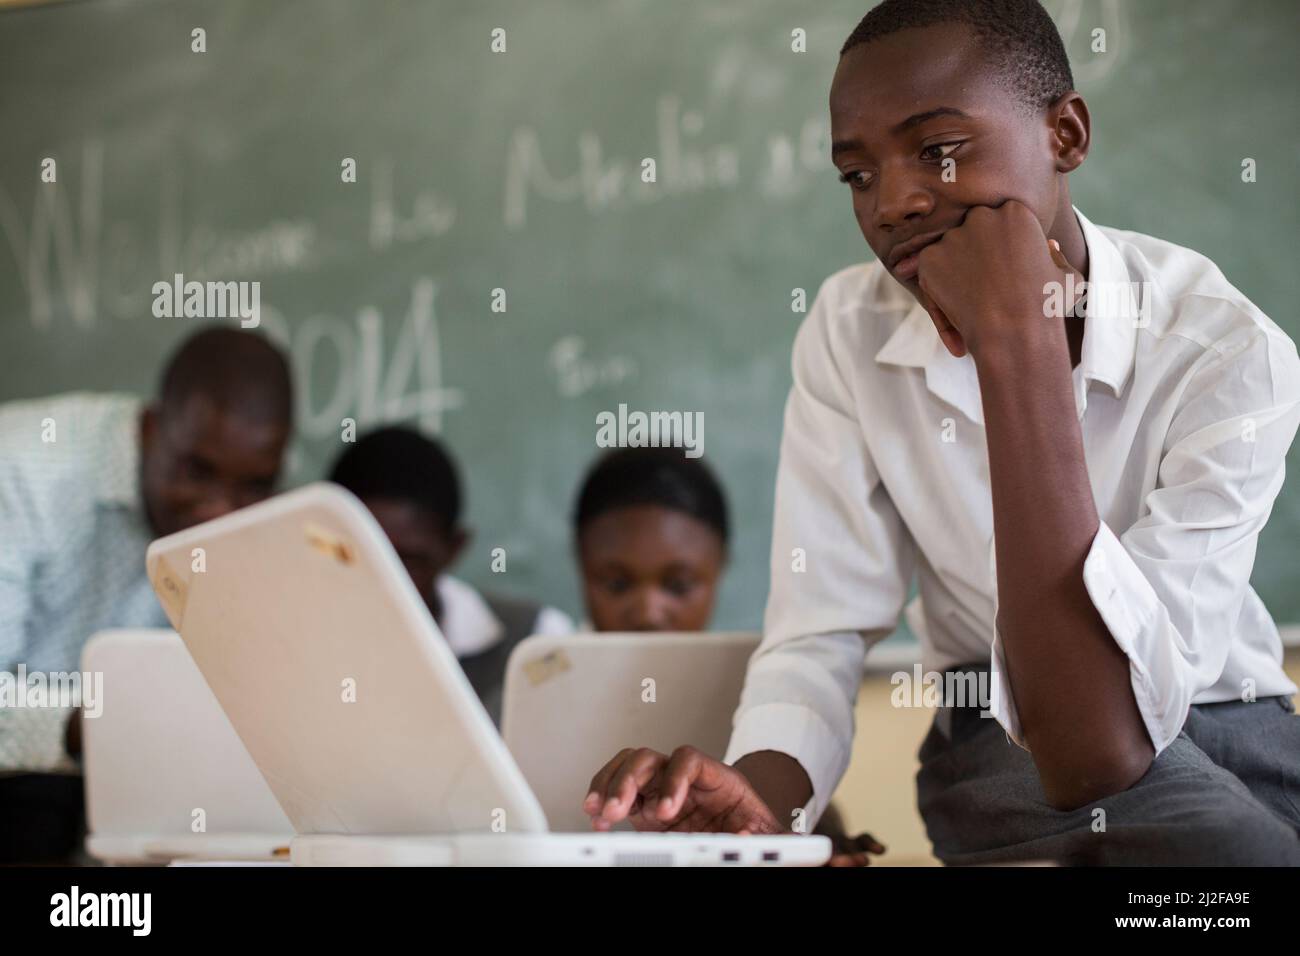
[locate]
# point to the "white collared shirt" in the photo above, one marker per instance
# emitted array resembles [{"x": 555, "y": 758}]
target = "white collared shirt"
[
  {"x": 1187, "y": 410},
  {"x": 471, "y": 628}
]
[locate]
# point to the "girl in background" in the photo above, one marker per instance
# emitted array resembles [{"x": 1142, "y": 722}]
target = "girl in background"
[
  {"x": 651, "y": 534},
  {"x": 651, "y": 531}
]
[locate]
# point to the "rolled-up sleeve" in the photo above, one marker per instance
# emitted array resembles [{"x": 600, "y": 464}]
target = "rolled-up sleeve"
[
  {"x": 841, "y": 564},
  {"x": 1170, "y": 589}
]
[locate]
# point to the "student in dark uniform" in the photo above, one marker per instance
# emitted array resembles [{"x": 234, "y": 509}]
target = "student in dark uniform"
[{"x": 411, "y": 486}]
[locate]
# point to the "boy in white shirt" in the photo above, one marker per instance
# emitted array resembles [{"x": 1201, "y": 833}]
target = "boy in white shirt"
[
  {"x": 410, "y": 484},
  {"x": 1077, "y": 485}
]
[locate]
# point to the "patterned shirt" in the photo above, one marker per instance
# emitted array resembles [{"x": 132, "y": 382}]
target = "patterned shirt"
[{"x": 72, "y": 541}]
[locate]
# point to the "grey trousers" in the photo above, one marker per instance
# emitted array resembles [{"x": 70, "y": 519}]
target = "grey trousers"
[{"x": 1226, "y": 792}]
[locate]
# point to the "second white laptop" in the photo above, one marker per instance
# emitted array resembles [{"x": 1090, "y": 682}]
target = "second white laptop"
[{"x": 333, "y": 673}]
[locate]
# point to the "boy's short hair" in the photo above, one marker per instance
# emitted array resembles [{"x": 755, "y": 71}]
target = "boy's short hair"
[
  {"x": 400, "y": 464},
  {"x": 1025, "y": 47},
  {"x": 665, "y": 477}
]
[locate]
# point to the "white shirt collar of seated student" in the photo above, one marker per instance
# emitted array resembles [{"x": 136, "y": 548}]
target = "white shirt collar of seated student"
[
  {"x": 1109, "y": 335},
  {"x": 471, "y": 628},
  {"x": 467, "y": 622}
]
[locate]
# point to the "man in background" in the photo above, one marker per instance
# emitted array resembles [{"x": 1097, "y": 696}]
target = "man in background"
[{"x": 86, "y": 482}]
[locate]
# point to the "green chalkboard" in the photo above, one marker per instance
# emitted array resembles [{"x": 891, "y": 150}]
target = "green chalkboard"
[{"x": 521, "y": 170}]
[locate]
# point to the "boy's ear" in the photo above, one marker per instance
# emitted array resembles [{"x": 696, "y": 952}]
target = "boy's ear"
[{"x": 1071, "y": 131}]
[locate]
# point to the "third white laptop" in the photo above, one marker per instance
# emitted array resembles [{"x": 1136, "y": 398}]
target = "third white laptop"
[
  {"x": 333, "y": 673},
  {"x": 572, "y": 702},
  {"x": 166, "y": 776}
]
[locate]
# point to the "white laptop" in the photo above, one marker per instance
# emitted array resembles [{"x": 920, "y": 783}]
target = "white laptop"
[
  {"x": 166, "y": 776},
  {"x": 655, "y": 690},
  {"x": 333, "y": 673}
]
